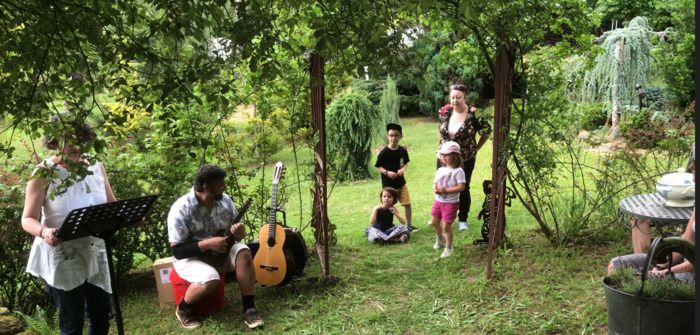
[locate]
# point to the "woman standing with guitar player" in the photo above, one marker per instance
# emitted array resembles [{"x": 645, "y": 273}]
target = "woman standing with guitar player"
[{"x": 193, "y": 222}]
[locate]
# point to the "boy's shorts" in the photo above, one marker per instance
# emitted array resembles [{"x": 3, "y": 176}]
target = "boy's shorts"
[
  {"x": 404, "y": 196},
  {"x": 447, "y": 212}
]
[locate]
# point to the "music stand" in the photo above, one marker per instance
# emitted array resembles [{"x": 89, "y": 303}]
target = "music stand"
[{"x": 103, "y": 221}]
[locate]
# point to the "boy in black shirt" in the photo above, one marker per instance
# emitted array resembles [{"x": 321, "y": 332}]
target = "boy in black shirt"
[{"x": 391, "y": 164}]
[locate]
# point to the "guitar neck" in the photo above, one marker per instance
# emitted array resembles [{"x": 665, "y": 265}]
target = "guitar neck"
[
  {"x": 272, "y": 219},
  {"x": 238, "y": 217}
]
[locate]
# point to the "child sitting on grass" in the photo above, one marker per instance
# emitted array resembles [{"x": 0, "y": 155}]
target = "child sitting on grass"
[
  {"x": 381, "y": 227},
  {"x": 449, "y": 181}
]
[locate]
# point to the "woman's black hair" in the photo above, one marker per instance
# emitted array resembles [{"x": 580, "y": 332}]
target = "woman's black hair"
[
  {"x": 394, "y": 194},
  {"x": 207, "y": 175}
]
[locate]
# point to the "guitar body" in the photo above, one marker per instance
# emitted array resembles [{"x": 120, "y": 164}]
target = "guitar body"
[
  {"x": 217, "y": 260},
  {"x": 295, "y": 253},
  {"x": 270, "y": 260}
]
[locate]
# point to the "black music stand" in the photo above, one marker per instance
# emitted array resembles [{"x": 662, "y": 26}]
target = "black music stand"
[{"x": 103, "y": 221}]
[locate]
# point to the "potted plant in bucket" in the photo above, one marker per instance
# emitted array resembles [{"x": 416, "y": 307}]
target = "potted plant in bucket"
[{"x": 637, "y": 305}]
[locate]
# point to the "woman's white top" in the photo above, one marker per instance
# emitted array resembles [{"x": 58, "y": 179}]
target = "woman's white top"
[
  {"x": 71, "y": 263},
  {"x": 453, "y": 128}
]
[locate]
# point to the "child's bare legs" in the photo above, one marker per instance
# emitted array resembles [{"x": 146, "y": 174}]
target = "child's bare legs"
[
  {"x": 407, "y": 208},
  {"x": 641, "y": 235},
  {"x": 439, "y": 239},
  {"x": 447, "y": 234}
]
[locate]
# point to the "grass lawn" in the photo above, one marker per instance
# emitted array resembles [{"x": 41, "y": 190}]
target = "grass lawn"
[{"x": 407, "y": 288}]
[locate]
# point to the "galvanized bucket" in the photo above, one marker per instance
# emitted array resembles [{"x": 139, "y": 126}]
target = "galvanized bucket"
[{"x": 634, "y": 314}]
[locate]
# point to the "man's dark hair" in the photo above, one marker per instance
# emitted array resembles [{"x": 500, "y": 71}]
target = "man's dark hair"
[{"x": 207, "y": 175}]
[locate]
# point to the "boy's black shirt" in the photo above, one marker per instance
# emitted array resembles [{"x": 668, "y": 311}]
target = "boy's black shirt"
[{"x": 392, "y": 160}]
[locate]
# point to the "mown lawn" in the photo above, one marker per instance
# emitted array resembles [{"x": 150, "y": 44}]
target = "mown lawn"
[{"x": 407, "y": 289}]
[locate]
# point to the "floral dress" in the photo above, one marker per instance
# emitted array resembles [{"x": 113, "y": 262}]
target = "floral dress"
[{"x": 466, "y": 135}]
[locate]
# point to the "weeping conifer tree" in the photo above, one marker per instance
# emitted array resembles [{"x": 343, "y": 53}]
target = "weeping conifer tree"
[
  {"x": 625, "y": 62},
  {"x": 351, "y": 123},
  {"x": 390, "y": 102}
]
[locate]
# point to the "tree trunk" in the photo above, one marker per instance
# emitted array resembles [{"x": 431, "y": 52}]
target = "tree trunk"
[
  {"x": 318, "y": 116},
  {"x": 503, "y": 78},
  {"x": 615, "y": 117},
  {"x": 615, "y": 95}
]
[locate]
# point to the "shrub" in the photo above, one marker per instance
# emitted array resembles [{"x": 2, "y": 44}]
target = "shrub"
[
  {"x": 592, "y": 116},
  {"x": 259, "y": 140},
  {"x": 410, "y": 105},
  {"x": 675, "y": 57},
  {"x": 641, "y": 131},
  {"x": 352, "y": 120},
  {"x": 658, "y": 99},
  {"x": 649, "y": 130},
  {"x": 571, "y": 196},
  {"x": 42, "y": 322},
  {"x": 390, "y": 102},
  {"x": 18, "y": 290},
  {"x": 372, "y": 88}
]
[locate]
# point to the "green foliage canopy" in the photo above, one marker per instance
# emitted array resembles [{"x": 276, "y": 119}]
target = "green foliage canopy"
[{"x": 675, "y": 58}]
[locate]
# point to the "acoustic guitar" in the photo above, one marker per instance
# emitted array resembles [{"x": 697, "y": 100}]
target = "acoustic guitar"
[
  {"x": 216, "y": 259},
  {"x": 270, "y": 261}
]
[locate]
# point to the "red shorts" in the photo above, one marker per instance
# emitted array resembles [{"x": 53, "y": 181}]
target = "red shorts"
[{"x": 447, "y": 212}]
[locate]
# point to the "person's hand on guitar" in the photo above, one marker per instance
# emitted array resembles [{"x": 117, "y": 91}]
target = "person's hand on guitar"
[
  {"x": 216, "y": 244},
  {"x": 238, "y": 231}
]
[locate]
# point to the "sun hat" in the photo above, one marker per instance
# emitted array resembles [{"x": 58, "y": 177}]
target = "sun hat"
[{"x": 449, "y": 147}]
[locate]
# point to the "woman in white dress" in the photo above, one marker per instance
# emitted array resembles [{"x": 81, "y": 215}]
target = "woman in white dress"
[{"x": 75, "y": 271}]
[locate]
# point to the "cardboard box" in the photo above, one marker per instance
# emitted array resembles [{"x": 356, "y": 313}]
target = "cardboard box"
[{"x": 161, "y": 271}]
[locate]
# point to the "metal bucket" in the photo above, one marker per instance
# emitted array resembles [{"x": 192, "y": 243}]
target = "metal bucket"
[{"x": 633, "y": 314}]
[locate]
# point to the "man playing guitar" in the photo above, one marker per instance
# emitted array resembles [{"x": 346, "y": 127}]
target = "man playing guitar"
[{"x": 193, "y": 221}]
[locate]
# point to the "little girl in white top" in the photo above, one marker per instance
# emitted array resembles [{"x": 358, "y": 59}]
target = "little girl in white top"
[{"x": 449, "y": 181}]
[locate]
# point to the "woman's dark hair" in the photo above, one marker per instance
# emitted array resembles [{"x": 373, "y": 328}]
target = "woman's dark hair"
[
  {"x": 460, "y": 87},
  {"x": 207, "y": 175},
  {"x": 82, "y": 133},
  {"x": 394, "y": 194}
]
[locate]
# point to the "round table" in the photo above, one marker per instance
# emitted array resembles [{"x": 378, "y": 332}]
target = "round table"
[{"x": 651, "y": 207}]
